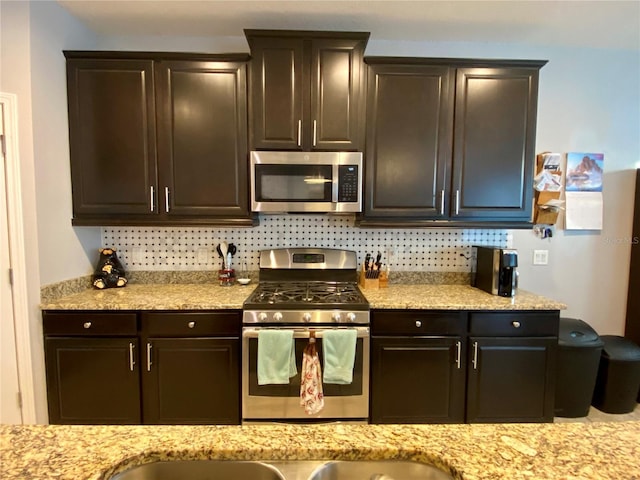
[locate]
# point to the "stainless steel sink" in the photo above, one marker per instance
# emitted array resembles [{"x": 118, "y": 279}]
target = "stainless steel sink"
[
  {"x": 201, "y": 470},
  {"x": 284, "y": 470},
  {"x": 378, "y": 470}
]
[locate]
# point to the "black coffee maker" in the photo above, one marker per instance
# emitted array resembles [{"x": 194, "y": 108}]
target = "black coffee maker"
[{"x": 495, "y": 270}]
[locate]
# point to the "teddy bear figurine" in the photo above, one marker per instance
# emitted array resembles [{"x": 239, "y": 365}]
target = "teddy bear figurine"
[{"x": 109, "y": 272}]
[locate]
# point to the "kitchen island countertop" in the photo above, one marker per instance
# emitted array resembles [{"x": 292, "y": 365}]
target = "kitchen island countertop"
[
  {"x": 557, "y": 451},
  {"x": 213, "y": 297}
]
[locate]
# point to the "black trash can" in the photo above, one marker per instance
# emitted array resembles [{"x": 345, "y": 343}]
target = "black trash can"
[
  {"x": 579, "y": 351},
  {"x": 618, "y": 376}
]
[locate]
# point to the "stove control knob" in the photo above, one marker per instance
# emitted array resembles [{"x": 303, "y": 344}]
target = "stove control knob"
[
  {"x": 306, "y": 317},
  {"x": 277, "y": 317},
  {"x": 351, "y": 317},
  {"x": 262, "y": 317},
  {"x": 337, "y": 317}
]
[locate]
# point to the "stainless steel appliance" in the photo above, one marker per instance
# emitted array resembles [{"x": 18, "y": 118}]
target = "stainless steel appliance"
[
  {"x": 495, "y": 270},
  {"x": 306, "y": 182},
  {"x": 309, "y": 291}
]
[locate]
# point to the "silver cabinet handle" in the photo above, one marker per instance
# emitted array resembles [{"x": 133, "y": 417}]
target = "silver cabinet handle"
[
  {"x": 166, "y": 199},
  {"x": 132, "y": 361},
  {"x": 314, "y": 132},
  {"x": 475, "y": 355},
  {"x": 457, "y": 202},
  {"x": 299, "y": 133},
  {"x": 191, "y": 324},
  {"x": 515, "y": 324},
  {"x": 149, "y": 363},
  {"x": 151, "y": 197},
  {"x": 458, "y": 353},
  {"x": 418, "y": 323},
  {"x": 86, "y": 324}
]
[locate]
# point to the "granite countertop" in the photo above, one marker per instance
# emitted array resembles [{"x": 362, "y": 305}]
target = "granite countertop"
[
  {"x": 561, "y": 451},
  {"x": 212, "y": 297}
]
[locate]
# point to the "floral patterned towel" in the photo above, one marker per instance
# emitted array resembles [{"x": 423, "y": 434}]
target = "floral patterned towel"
[{"x": 311, "y": 397}]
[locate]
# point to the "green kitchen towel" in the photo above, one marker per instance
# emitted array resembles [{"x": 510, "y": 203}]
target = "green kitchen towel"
[
  {"x": 276, "y": 356},
  {"x": 339, "y": 351}
]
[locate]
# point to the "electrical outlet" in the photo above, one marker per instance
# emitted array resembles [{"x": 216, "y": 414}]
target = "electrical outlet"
[
  {"x": 136, "y": 255},
  {"x": 541, "y": 257},
  {"x": 202, "y": 254}
]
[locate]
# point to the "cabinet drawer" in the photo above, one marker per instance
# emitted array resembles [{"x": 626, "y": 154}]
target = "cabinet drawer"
[
  {"x": 514, "y": 324},
  {"x": 89, "y": 324},
  {"x": 417, "y": 322},
  {"x": 191, "y": 324}
]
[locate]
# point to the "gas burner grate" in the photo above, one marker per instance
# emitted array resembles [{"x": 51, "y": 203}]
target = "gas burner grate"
[{"x": 271, "y": 293}]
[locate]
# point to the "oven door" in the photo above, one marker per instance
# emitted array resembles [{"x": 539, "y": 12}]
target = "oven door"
[{"x": 282, "y": 402}]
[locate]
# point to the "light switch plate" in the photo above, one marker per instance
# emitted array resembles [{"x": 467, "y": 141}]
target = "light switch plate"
[
  {"x": 541, "y": 257},
  {"x": 136, "y": 255},
  {"x": 203, "y": 255}
]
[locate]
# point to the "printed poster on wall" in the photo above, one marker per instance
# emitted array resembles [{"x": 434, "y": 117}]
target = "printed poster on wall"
[{"x": 583, "y": 191}]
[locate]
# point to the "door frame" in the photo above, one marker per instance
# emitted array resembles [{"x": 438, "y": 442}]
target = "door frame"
[{"x": 18, "y": 258}]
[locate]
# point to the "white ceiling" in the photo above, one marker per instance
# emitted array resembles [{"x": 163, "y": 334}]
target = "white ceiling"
[{"x": 608, "y": 24}]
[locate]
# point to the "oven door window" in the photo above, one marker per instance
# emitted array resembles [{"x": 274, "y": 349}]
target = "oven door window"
[
  {"x": 293, "y": 183},
  {"x": 293, "y": 388}
]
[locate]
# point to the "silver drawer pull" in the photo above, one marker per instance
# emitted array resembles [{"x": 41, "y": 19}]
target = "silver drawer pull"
[
  {"x": 86, "y": 324},
  {"x": 191, "y": 324},
  {"x": 458, "y": 353},
  {"x": 515, "y": 324},
  {"x": 149, "y": 363},
  {"x": 475, "y": 356},
  {"x": 418, "y": 323},
  {"x": 132, "y": 361}
]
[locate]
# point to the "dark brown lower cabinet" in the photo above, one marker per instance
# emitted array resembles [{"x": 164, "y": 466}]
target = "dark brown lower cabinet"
[
  {"x": 512, "y": 366},
  {"x": 191, "y": 381},
  {"x": 509, "y": 380},
  {"x": 173, "y": 368},
  {"x": 92, "y": 368},
  {"x": 416, "y": 380},
  {"x": 417, "y": 366},
  {"x": 92, "y": 381},
  {"x": 191, "y": 371}
]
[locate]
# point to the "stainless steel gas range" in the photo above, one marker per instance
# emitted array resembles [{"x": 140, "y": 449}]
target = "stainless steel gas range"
[{"x": 307, "y": 291}]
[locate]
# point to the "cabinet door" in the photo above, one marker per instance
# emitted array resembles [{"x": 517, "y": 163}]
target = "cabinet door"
[
  {"x": 277, "y": 93},
  {"x": 494, "y": 142},
  {"x": 112, "y": 136},
  {"x": 93, "y": 380},
  {"x": 511, "y": 379},
  {"x": 191, "y": 381},
  {"x": 417, "y": 380},
  {"x": 409, "y": 128},
  {"x": 202, "y": 144},
  {"x": 336, "y": 66}
]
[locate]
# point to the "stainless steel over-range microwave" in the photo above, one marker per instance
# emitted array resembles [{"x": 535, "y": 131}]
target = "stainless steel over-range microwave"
[{"x": 306, "y": 182}]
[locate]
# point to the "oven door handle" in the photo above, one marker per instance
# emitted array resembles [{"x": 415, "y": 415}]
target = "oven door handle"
[{"x": 362, "y": 332}]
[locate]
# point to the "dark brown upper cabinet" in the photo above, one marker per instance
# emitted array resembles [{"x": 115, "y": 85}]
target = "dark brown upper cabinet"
[
  {"x": 450, "y": 142},
  {"x": 158, "y": 138},
  {"x": 306, "y": 89}
]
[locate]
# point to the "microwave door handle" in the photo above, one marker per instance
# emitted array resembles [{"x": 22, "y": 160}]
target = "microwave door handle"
[{"x": 334, "y": 185}]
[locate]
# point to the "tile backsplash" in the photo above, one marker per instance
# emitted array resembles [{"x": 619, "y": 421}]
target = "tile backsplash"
[{"x": 194, "y": 248}]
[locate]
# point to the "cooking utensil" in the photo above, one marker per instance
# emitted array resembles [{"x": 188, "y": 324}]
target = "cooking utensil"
[
  {"x": 232, "y": 249},
  {"x": 224, "y": 248},
  {"x": 229, "y": 261}
]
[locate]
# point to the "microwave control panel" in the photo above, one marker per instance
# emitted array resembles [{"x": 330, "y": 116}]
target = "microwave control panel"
[{"x": 347, "y": 183}]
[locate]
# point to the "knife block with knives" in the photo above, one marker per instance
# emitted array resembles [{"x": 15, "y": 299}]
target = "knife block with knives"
[{"x": 371, "y": 275}]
